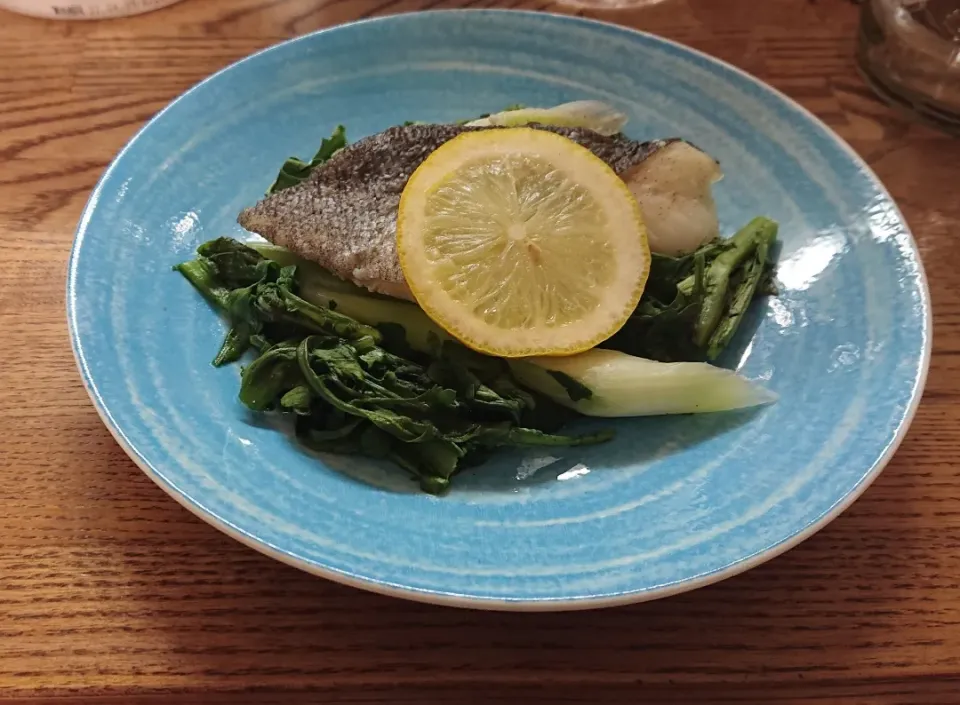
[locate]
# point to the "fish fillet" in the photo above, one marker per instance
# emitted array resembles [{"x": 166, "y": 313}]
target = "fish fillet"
[
  {"x": 674, "y": 190},
  {"x": 344, "y": 216}
]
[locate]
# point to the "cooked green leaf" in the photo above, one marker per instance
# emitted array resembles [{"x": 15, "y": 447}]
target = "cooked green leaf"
[
  {"x": 295, "y": 170},
  {"x": 351, "y": 386},
  {"x": 692, "y": 305}
]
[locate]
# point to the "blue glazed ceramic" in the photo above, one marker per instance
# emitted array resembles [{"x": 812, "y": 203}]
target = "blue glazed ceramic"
[{"x": 673, "y": 503}]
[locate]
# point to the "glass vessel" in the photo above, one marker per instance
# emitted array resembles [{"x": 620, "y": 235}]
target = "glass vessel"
[{"x": 909, "y": 53}]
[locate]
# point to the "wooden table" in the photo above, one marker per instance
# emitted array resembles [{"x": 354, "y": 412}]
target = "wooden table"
[{"x": 111, "y": 592}]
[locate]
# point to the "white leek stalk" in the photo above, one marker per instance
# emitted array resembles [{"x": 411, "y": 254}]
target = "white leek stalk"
[
  {"x": 589, "y": 114},
  {"x": 623, "y": 385}
]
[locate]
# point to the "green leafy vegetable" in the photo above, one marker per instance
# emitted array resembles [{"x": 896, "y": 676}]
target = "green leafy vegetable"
[
  {"x": 620, "y": 384},
  {"x": 357, "y": 390},
  {"x": 256, "y": 296},
  {"x": 692, "y": 305},
  {"x": 295, "y": 170}
]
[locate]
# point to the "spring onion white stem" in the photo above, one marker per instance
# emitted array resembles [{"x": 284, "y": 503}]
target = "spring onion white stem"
[{"x": 590, "y": 114}]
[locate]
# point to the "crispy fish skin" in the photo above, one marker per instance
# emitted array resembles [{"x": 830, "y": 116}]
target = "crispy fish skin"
[{"x": 344, "y": 216}]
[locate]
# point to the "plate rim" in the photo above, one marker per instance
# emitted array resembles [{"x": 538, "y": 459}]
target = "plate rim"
[{"x": 526, "y": 604}]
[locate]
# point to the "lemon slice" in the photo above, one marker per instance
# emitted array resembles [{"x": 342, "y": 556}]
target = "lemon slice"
[{"x": 521, "y": 242}]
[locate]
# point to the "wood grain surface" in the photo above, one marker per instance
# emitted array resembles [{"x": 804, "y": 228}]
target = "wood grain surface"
[{"x": 112, "y": 593}]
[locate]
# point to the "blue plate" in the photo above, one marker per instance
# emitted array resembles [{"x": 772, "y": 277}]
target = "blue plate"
[{"x": 673, "y": 503}]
